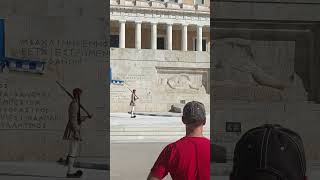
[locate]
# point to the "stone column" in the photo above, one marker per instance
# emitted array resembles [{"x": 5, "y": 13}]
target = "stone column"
[
  {"x": 184, "y": 38},
  {"x": 153, "y": 35},
  {"x": 199, "y": 38},
  {"x": 138, "y": 34},
  {"x": 122, "y": 37},
  {"x": 169, "y": 36}
]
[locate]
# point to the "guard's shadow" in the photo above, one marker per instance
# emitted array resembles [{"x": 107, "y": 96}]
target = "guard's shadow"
[
  {"x": 28, "y": 175},
  {"x": 119, "y": 117}
]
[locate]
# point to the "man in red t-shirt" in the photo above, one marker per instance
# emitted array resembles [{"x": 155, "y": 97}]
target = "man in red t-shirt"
[{"x": 189, "y": 157}]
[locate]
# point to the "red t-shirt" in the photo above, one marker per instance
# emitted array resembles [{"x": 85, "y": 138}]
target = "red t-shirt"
[{"x": 180, "y": 159}]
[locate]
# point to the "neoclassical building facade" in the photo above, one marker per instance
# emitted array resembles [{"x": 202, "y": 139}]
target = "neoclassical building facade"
[
  {"x": 170, "y": 25},
  {"x": 161, "y": 49}
]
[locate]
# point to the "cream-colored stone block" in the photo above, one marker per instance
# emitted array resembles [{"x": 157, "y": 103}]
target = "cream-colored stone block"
[
  {"x": 161, "y": 78},
  {"x": 171, "y": 5},
  {"x": 34, "y": 119},
  {"x": 30, "y": 7},
  {"x": 157, "y": 4},
  {"x": 187, "y": 7},
  {"x": 129, "y": 3},
  {"x": 96, "y": 8},
  {"x": 6, "y": 7}
]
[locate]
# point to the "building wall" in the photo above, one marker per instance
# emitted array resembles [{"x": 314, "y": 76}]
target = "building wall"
[
  {"x": 34, "y": 127},
  {"x": 161, "y": 78},
  {"x": 277, "y": 53}
]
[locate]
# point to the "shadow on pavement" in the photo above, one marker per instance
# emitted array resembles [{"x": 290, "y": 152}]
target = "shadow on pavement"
[
  {"x": 158, "y": 114},
  {"x": 119, "y": 117},
  {"x": 29, "y": 175}
]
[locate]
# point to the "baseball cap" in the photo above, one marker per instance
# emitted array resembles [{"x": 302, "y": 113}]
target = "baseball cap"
[
  {"x": 269, "y": 152},
  {"x": 193, "y": 112}
]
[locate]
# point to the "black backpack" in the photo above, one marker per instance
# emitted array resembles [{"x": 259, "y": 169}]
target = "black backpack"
[{"x": 269, "y": 152}]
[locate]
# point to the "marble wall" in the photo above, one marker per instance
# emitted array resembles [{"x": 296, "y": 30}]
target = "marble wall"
[
  {"x": 70, "y": 39},
  {"x": 265, "y": 69},
  {"x": 162, "y": 78}
]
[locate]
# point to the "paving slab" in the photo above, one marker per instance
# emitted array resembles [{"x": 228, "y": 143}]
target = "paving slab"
[
  {"x": 36, "y": 170},
  {"x": 133, "y": 161},
  {"x": 159, "y": 127}
]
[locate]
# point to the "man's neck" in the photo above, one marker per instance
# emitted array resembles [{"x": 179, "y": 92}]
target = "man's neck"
[{"x": 194, "y": 132}]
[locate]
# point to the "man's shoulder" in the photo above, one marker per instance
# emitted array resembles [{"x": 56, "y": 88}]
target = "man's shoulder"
[
  {"x": 184, "y": 140},
  {"x": 170, "y": 148},
  {"x": 176, "y": 144},
  {"x": 187, "y": 140},
  {"x": 204, "y": 139},
  {"x": 171, "y": 145}
]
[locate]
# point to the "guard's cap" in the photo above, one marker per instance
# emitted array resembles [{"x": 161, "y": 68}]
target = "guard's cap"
[{"x": 76, "y": 91}]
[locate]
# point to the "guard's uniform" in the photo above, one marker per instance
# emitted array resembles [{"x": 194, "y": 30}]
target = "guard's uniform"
[
  {"x": 72, "y": 131},
  {"x": 133, "y": 104},
  {"x": 133, "y": 100},
  {"x": 73, "y": 135}
]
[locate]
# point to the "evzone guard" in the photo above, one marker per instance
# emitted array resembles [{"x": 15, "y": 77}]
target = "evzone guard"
[
  {"x": 134, "y": 98},
  {"x": 72, "y": 131}
]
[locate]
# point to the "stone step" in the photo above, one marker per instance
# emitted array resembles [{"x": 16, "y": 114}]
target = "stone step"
[
  {"x": 147, "y": 128},
  {"x": 146, "y": 139},
  {"x": 150, "y": 133},
  {"x": 163, "y": 129},
  {"x": 148, "y": 136},
  {"x": 150, "y": 129},
  {"x": 136, "y": 138},
  {"x": 154, "y": 131},
  {"x": 141, "y": 133}
]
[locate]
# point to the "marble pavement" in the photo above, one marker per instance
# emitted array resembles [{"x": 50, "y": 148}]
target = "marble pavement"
[{"x": 124, "y": 129}]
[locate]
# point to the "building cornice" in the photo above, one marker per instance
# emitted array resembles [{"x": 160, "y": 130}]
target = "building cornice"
[
  {"x": 158, "y": 14},
  {"x": 160, "y": 6}
]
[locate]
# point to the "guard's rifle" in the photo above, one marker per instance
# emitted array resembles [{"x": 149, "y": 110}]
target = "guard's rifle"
[
  {"x": 71, "y": 96},
  {"x": 122, "y": 83},
  {"x": 130, "y": 90}
]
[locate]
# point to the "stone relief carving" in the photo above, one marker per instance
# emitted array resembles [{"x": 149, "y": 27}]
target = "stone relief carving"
[
  {"x": 189, "y": 80},
  {"x": 235, "y": 62},
  {"x": 182, "y": 81}
]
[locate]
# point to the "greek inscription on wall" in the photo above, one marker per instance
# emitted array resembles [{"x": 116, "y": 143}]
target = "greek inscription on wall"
[
  {"x": 124, "y": 95},
  {"x": 60, "y": 51},
  {"x": 25, "y": 109}
]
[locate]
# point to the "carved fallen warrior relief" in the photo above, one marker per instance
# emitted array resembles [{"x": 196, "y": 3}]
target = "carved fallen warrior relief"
[
  {"x": 246, "y": 67},
  {"x": 184, "y": 82}
]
